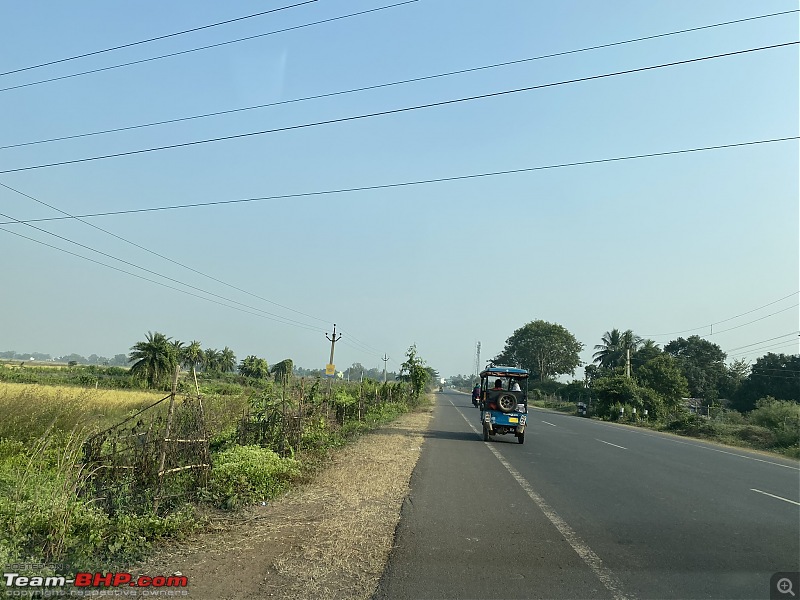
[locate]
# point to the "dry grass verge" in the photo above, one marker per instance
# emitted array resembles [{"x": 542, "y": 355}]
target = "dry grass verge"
[{"x": 329, "y": 539}]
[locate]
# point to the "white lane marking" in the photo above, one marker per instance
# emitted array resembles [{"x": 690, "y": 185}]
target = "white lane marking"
[
  {"x": 551, "y": 425},
  {"x": 774, "y": 496},
  {"x": 610, "y": 444},
  {"x": 669, "y": 438},
  {"x": 594, "y": 562}
]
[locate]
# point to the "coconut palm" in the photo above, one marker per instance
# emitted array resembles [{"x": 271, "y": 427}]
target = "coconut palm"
[
  {"x": 193, "y": 356},
  {"x": 211, "y": 360},
  {"x": 227, "y": 360},
  {"x": 155, "y": 358},
  {"x": 609, "y": 351},
  {"x": 631, "y": 341}
]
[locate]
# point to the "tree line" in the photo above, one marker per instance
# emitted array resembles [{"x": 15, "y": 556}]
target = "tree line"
[{"x": 627, "y": 370}]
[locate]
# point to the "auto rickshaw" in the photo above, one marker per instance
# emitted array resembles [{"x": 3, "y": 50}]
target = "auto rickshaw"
[{"x": 504, "y": 402}]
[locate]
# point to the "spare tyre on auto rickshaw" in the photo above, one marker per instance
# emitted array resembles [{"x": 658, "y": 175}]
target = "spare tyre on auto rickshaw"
[{"x": 504, "y": 402}]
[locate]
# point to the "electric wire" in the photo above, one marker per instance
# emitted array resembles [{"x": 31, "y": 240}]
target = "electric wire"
[
  {"x": 753, "y": 351},
  {"x": 715, "y": 322},
  {"x": 366, "y": 348},
  {"x": 794, "y": 333},
  {"x": 160, "y": 37},
  {"x": 382, "y": 85},
  {"x": 396, "y": 110},
  {"x": 207, "y": 47},
  {"x": 362, "y": 347},
  {"x": 175, "y": 262},
  {"x": 756, "y": 320},
  {"x": 160, "y": 283},
  {"x": 416, "y": 183},
  {"x": 283, "y": 319}
]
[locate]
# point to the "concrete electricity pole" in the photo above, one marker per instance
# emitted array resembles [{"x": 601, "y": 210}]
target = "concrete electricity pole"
[
  {"x": 384, "y": 359},
  {"x": 478, "y": 360},
  {"x": 330, "y": 368},
  {"x": 628, "y": 364}
]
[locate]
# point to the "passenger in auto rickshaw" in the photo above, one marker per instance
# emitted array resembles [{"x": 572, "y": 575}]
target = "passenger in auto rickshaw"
[{"x": 498, "y": 386}]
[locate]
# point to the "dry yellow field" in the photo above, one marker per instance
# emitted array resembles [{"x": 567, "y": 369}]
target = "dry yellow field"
[{"x": 29, "y": 410}]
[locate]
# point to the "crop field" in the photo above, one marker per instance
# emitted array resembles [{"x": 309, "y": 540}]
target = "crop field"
[{"x": 29, "y": 410}]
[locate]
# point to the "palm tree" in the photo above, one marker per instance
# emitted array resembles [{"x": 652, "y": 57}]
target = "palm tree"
[
  {"x": 631, "y": 341},
  {"x": 283, "y": 371},
  {"x": 211, "y": 360},
  {"x": 155, "y": 358},
  {"x": 609, "y": 351},
  {"x": 227, "y": 360},
  {"x": 193, "y": 356}
]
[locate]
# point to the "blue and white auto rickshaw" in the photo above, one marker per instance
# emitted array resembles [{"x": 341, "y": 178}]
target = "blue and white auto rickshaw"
[{"x": 504, "y": 402}]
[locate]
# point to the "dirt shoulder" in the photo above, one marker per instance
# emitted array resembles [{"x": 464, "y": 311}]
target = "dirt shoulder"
[{"x": 329, "y": 539}]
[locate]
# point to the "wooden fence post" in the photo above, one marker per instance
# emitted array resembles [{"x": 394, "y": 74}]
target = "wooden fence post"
[{"x": 162, "y": 459}]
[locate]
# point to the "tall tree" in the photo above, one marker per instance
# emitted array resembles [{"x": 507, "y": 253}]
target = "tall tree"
[
  {"x": 211, "y": 360},
  {"x": 609, "y": 350},
  {"x": 193, "y": 356},
  {"x": 154, "y": 359},
  {"x": 545, "y": 349},
  {"x": 775, "y": 375},
  {"x": 254, "y": 367},
  {"x": 282, "y": 371},
  {"x": 702, "y": 363},
  {"x": 227, "y": 360},
  {"x": 648, "y": 350},
  {"x": 414, "y": 371},
  {"x": 663, "y": 376},
  {"x": 612, "y": 351}
]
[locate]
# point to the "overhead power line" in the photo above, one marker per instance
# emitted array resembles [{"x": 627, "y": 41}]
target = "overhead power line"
[
  {"x": 756, "y": 320},
  {"x": 702, "y": 327},
  {"x": 794, "y": 333},
  {"x": 396, "y": 110},
  {"x": 362, "y": 346},
  {"x": 764, "y": 349},
  {"x": 414, "y": 183},
  {"x": 273, "y": 316},
  {"x": 160, "y": 283},
  {"x": 114, "y": 235},
  {"x": 153, "y": 39},
  {"x": 383, "y": 85},
  {"x": 182, "y": 52}
]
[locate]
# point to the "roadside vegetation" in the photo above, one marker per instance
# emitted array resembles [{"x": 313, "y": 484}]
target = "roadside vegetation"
[
  {"x": 686, "y": 387},
  {"x": 264, "y": 429}
]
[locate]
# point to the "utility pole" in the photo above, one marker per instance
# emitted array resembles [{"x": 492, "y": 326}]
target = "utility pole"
[
  {"x": 384, "y": 359},
  {"x": 478, "y": 360},
  {"x": 330, "y": 368},
  {"x": 628, "y": 364}
]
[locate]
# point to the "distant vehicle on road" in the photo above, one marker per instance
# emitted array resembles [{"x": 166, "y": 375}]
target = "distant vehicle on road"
[
  {"x": 582, "y": 409},
  {"x": 504, "y": 402}
]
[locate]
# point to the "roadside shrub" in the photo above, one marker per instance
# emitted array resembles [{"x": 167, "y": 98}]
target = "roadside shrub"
[
  {"x": 758, "y": 437},
  {"x": 782, "y": 417},
  {"x": 245, "y": 474},
  {"x": 692, "y": 425}
]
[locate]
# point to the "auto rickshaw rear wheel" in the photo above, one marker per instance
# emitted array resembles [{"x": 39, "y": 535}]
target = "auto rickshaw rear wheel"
[{"x": 507, "y": 403}]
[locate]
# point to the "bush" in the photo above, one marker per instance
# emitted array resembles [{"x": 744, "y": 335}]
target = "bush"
[
  {"x": 781, "y": 417},
  {"x": 692, "y": 425},
  {"x": 245, "y": 474},
  {"x": 758, "y": 437}
]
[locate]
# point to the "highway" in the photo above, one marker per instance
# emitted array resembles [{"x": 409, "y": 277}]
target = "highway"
[{"x": 586, "y": 509}]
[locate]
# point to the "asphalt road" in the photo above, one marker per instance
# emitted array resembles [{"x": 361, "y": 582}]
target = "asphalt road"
[{"x": 586, "y": 509}]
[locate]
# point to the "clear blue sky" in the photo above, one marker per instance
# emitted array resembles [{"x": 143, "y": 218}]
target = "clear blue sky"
[{"x": 657, "y": 245}]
